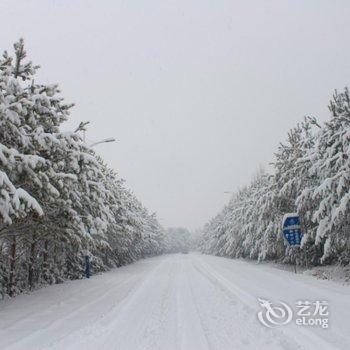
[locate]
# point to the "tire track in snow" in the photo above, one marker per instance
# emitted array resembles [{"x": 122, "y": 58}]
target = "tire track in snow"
[
  {"x": 308, "y": 339},
  {"x": 57, "y": 324},
  {"x": 137, "y": 323},
  {"x": 191, "y": 332},
  {"x": 230, "y": 323}
]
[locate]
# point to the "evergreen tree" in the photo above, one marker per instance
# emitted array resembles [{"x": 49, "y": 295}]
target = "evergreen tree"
[
  {"x": 58, "y": 200},
  {"x": 311, "y": 177}
]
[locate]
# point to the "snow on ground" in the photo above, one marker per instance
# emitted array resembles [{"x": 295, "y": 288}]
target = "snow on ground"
[
  {"x": 188, "y": 302},
  {"x": 340, "y": 274}
]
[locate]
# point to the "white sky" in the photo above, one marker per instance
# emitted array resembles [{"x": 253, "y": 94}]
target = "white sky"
[{"x": 198, "y": 92}]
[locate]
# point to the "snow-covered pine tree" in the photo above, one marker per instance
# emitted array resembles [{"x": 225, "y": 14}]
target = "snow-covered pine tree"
[
  {"x": 17, "y": 165},
  {"x": 291, "y": 180},
  {"x": 331, "y": 168},
  {"x": 310, "y": 176},
  {"x": 15, "y": 202},
  {"x": 58, "y": 200}
]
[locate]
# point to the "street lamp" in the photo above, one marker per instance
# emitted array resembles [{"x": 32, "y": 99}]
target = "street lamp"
[{"x": 111, "y": 139}]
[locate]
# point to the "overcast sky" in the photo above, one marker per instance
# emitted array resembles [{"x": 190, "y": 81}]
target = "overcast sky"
[{"x": 198, "y": 93}]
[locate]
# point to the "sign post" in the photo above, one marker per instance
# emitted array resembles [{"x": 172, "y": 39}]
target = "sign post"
[
  {"x": 87, "y": 267},
  {"x": 292, "y": 231}
]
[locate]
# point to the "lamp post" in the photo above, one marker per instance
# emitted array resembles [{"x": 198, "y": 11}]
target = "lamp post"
[{"x": 111, "y": 139}]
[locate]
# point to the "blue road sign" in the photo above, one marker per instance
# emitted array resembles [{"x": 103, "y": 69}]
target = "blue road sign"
[{"x": 291, "y": 229}]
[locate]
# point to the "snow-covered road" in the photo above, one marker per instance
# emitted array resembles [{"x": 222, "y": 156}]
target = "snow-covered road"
[{"x": 193, "y": 302}]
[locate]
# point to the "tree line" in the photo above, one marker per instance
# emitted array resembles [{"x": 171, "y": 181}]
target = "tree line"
[
  {"x": 310, "y": 176},
  {"x": 59, "y": 201}
]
